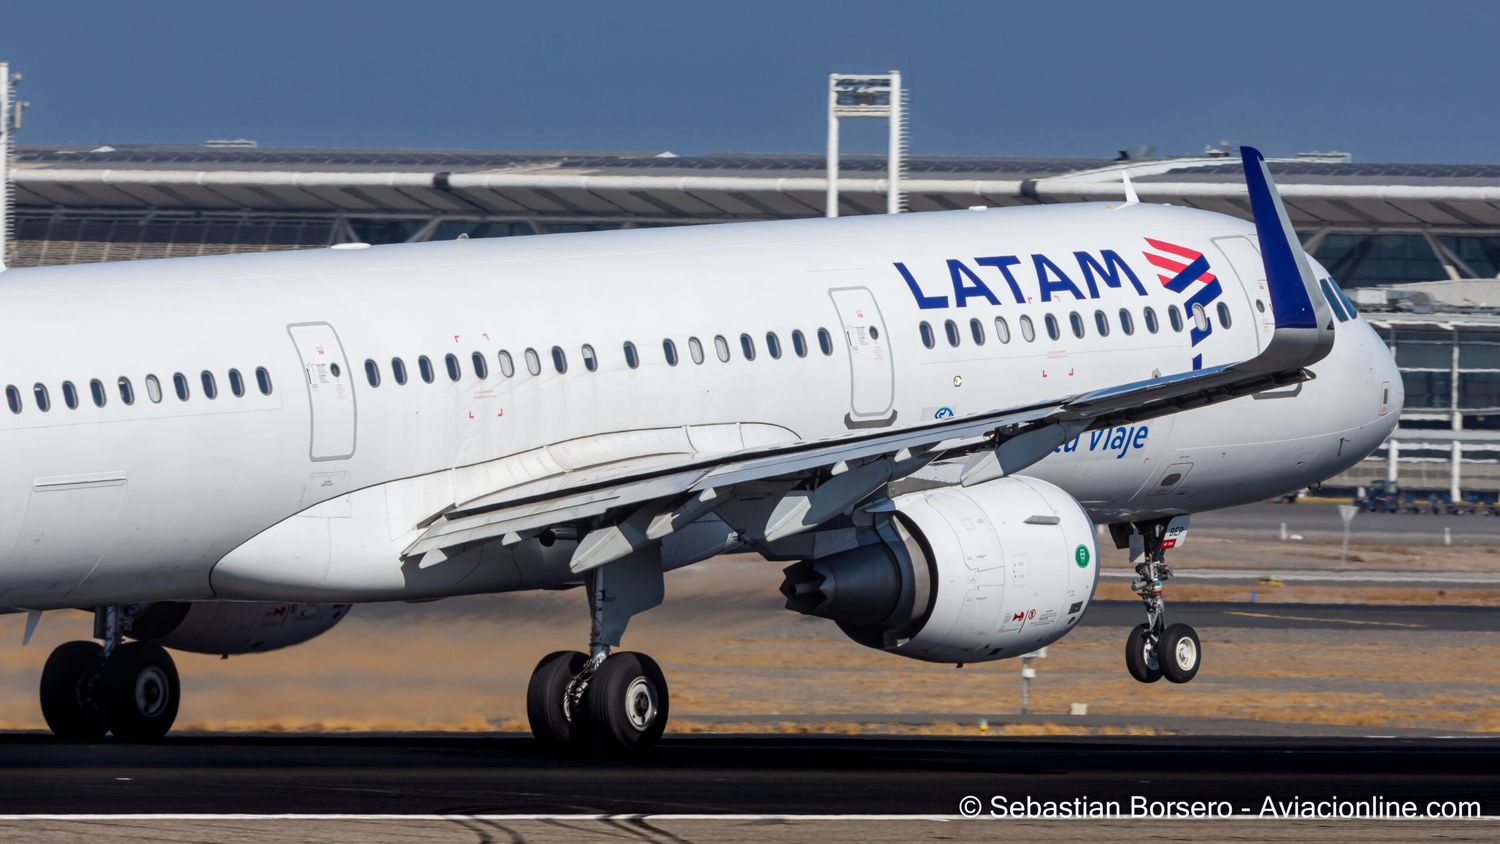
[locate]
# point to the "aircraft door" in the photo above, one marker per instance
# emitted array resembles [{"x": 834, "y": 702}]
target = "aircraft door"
[
  {"x": 330, "y": 390},
  {"x": 871, "y": 376},
  {"x": 1244, "y": 259}
]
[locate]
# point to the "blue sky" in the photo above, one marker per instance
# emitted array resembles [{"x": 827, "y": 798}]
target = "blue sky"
[{"x": 1383, "y": 80}]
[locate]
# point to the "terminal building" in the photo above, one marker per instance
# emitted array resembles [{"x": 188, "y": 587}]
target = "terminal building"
[{"x": 1418, "y": 246}]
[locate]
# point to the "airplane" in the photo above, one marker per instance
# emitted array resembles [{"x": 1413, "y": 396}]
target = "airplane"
[{"x": 924, "y": 416}]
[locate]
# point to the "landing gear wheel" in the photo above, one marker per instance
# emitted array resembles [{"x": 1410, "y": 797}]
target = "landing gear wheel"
[
  {"x": 70, "y": 683},
  {"x": 1140, "y": 657},
  {"x": 544, "y": 700},
  {"x": 140, "y": 691},
  {"x": 627, "y": 702},
  {"x": 1180, "y": 653}
]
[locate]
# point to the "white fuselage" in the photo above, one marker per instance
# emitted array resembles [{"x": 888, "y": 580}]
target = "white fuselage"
[{"x": 312, "y": 492}]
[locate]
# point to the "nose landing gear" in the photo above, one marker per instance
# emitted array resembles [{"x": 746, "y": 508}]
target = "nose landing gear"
[{"x": 1155, "y": 649}]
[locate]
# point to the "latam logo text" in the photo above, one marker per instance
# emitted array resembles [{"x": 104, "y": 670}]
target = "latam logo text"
[{"x": 1047, "y": 277}]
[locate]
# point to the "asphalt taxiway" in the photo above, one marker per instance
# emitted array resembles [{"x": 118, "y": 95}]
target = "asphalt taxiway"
[
  {"x": 722, "y": 774},
  {"x": 1207, "y": 615}
]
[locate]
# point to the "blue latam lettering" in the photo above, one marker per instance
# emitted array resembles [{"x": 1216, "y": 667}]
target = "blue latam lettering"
[
  {"x": 1058, "y": 282},
  {"x": 1003, "y": 263},
  {"x": 1109, "y": 272},
  {"x": 962, "y": 291},
  {"x": 1119, "y": 441},
  {"x": 924, "y": 301}
]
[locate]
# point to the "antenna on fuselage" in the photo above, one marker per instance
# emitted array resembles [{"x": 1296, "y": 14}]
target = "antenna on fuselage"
[{"x": 1130, "y": 197}]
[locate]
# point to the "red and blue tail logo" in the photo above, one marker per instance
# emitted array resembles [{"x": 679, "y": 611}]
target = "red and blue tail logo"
[{"x": 1179, "y": 268}]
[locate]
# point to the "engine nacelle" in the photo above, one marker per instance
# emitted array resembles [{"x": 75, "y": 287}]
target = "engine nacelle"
[
  {"x": 227, "y": 627},
  {"x": 959, "y": 574}
]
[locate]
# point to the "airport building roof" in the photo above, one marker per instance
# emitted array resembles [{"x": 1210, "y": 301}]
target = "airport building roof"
[{"x": 1321, "y": 193}]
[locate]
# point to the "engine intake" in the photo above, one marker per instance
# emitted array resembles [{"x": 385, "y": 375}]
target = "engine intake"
[{"x": 958, "y": 574}]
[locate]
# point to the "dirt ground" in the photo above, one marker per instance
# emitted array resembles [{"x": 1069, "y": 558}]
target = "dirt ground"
[{"x": 731, "y": 652}]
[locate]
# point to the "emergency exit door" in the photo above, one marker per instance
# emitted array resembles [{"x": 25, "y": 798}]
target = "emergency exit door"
[
  {"x": 330, "y": 390},
  {"x": 871, "y": 377}
]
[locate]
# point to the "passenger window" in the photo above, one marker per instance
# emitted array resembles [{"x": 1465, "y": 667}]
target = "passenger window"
[
  {"x": 1028, "y": 331},
  {"x": 927, "y": 339},
  {"x": 976, "y": 330},
  {"x": 70, "y": 395},
  {"x": 533, "y": 362},
  {"x": 950, "y": 328},
  {"x": 669, "y": 349},
  {"x": 695, "y": 349},
  {"x": 13, "y": 398},
  {"x": 424, "y": 368},
  {"x": 825, "y": 341},
  {"x": 96, "y": 389},
  {"x": 1002, "y": 330},
  {"x": 1052, "y": 330},
  {"x": 590, "y": 360},
  {"x": 721, "y": 347},
  {"x": 481, "y": 365},
  {"x": 237, "y": 382},
  {"x": 773, "y": 345},
  {"x": 632, "y": 360},
  {"x": 180, "y": 383},
  {"x": 1174, "y": 317},
  {"x": 372, "y": 373},
  {"x": 1151, "y": 323},
  {"x": 127, "y": 392},
  {"x": 1075, "y": 321},
  {"x": 799, "y": 343},
  {"x": 451, "y": 361},
  {"x": 398, "y": 371},
  {"x": 263, "y": 380},
  {"x": 1101, "y": 322},
  {"x": 559, "y": 360},
  {"x": 1224, "y": 318},
  {"x": 507, "y": 366},
  {"x": 153, "y": 389},
  {"x": 43, "y": 401},
  {"x": 747, "y": 345},
  {"x": 1127, "y": 322},
  {"x": 1200, "y": 319},
  {"x": 211, "y": 389}
]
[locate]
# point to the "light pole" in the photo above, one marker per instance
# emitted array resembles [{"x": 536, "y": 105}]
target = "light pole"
[{"x": 868, "y": 95}]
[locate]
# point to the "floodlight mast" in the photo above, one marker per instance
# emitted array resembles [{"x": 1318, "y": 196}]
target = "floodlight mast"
[
  {"x": 868, "y": 95},
  {"x": 5, "y": 191}
]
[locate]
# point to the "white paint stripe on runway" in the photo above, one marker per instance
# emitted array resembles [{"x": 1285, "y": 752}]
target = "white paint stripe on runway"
[
  {"x": 1477, "y": 578},
  {"x": 190, "y": 816}
]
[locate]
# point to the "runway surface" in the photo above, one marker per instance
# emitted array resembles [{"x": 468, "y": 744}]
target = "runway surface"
[
  {"x": 723, "y": 775},
  {"x": 1211, "y": 614}
]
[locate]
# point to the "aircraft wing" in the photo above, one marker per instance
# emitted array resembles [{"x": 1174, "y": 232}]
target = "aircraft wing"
[{"x": 774, "y": 492}]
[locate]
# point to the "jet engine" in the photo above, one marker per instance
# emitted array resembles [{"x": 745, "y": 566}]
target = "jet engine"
[
  {"x": 958, "y": 574},
  {"x": 226, "y": 627}
]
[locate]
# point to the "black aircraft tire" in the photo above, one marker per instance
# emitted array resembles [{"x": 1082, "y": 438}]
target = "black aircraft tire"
[
  {"x": 628, "y": 703},
  {"x": 69, "y": 692},
  {"x": 140, "y": 691},
  {"x": 1142, "y": 667},
  {"x": 1181, "y": 653},
  {"x": 544, "y": 700}
]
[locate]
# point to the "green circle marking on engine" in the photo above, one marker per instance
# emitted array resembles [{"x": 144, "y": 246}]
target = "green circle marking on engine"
[{"x": 1081, "y": 556}]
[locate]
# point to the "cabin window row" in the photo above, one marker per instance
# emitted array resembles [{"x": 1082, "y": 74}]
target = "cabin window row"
[
  {"x": 1077, "y": 325},
  {"x": 98, "y": 392},
  {"x": 558, "y": 359}
]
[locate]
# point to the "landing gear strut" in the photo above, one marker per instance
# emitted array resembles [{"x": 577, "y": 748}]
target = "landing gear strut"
[
  {"x": 616, "y": 700},
  {"x": 1156, "y": 649},
  {"x": 130, "y": 689}
]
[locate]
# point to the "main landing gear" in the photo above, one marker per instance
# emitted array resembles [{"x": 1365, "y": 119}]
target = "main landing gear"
[
  {"x": 615, "y": 700},
  {"x": 129, "y": 689},
  {"x": 1156, "y": 649}
]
